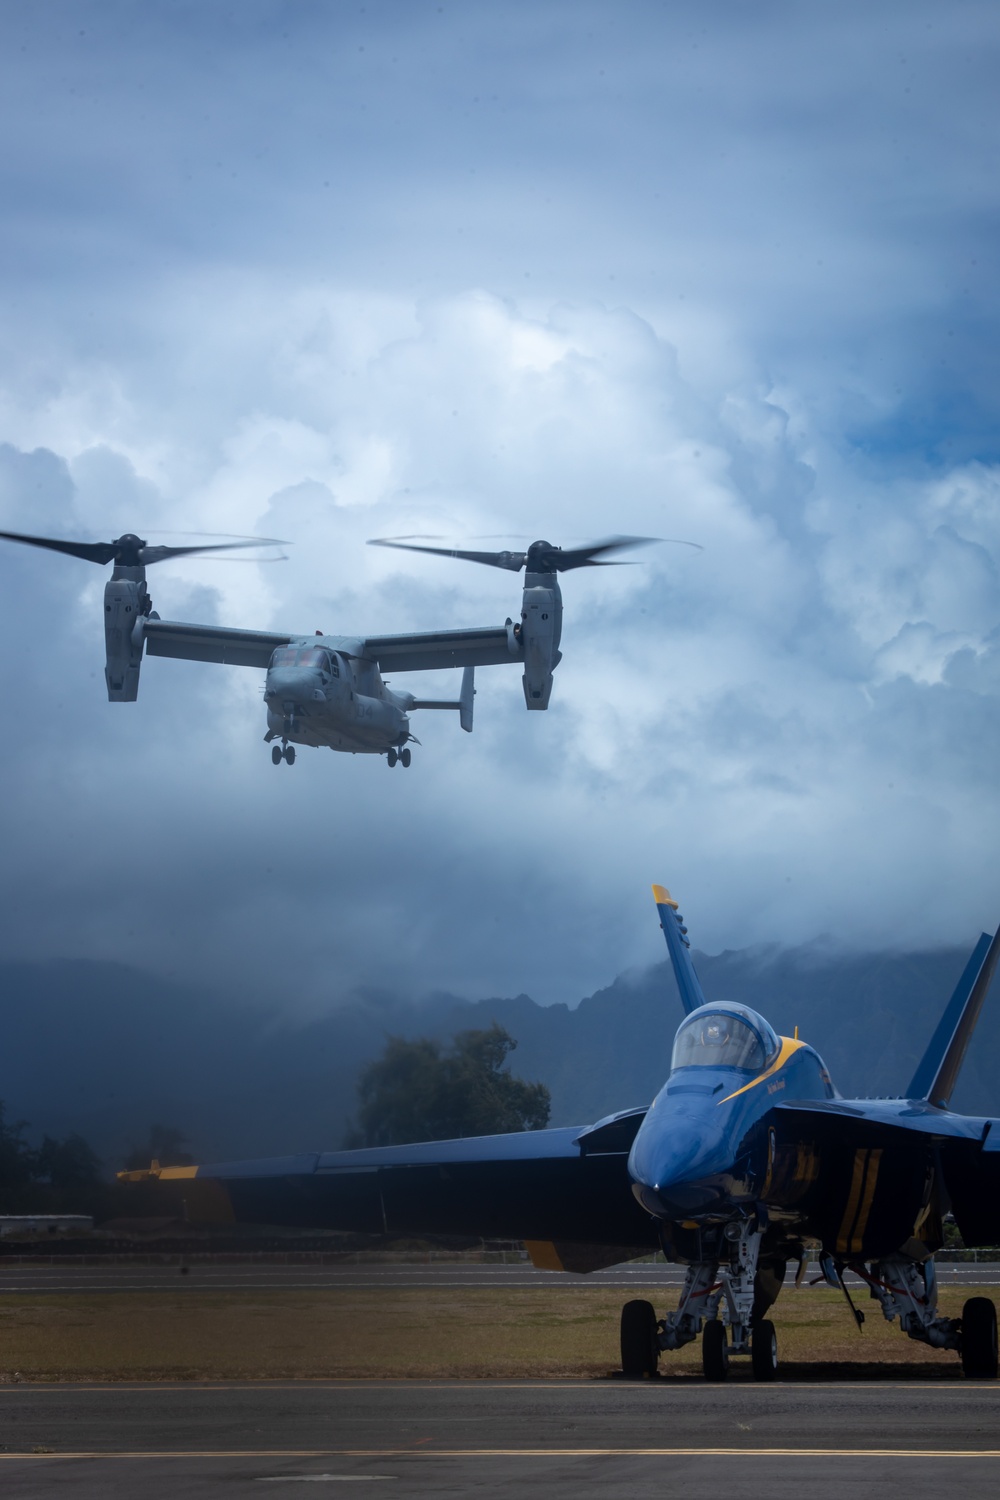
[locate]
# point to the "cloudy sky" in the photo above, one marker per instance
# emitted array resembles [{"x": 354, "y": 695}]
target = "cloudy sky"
[{"x": 325, "y": 272}]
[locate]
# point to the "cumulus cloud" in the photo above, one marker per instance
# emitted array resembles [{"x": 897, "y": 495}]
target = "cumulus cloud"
[{"x": 795, "y": 726}]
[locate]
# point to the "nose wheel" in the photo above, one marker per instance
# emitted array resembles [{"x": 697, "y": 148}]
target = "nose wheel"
[
  {"x": 280, "y": 753},
  {"x": 403, "y": 756}
]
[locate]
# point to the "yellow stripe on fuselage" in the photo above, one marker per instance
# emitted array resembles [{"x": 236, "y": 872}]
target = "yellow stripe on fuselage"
[{"x": 788, "y": 1046}]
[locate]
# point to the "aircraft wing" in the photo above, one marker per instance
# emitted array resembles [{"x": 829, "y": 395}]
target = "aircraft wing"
[
  {"x": 431, "y": 649},
  {"x": 567, "y": 1191},
  {"x": 872, "y": 1155},
  {"x": 238, "y": 648}
]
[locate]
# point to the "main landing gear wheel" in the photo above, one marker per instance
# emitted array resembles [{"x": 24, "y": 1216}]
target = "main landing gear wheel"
[
  {"x": 404, "y": 757},
  {"x": 714, "y": 1351},
  {"x": 764, "y": 1351},
  {"x": 979, "y": 1339},
  {"x": 392, "y": 756},
  {"x": 640, "y": 1350},
  {"x": 290, "y": 754},
  {"x": 276, "y": 755}
]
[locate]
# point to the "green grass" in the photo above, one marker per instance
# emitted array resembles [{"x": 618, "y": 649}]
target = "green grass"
[{"x": 453, "y": 1333}]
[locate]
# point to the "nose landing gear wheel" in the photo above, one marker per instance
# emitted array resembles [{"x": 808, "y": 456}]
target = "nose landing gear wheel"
[
  {"x": 290, "y": 754},
  {"x": 714, "y": 1351},
  {"x": 640, "y": 1350},
  {"x": 392, "y": 757},
  {"x": 276, "y": 755},
  {"x": 764, "y": 1351},
  {"x": 404, "y": 756}
]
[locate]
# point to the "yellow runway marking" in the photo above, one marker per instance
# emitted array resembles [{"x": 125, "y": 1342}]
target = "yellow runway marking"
[{"x": 287, "y": 1453}]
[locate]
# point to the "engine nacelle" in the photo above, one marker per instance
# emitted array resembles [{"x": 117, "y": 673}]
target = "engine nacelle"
[
  {"x": 126, "y": 604},
  {"x": 541, "y": 627}
]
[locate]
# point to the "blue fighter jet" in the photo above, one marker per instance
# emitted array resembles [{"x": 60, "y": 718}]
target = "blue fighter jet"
[{"x": 746, "y": 1160}]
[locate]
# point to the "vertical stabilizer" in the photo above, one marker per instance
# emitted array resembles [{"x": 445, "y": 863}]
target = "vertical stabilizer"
[
  {"x": 678, "y": 947},
  {"x": 935, "y": 1078}
]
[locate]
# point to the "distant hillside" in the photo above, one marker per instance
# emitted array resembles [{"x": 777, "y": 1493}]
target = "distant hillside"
[{"x": 105, "y": 1050}]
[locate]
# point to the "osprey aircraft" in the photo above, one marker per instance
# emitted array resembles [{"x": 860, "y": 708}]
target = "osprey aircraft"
[
  {"x": 746, "y": 1160},
  {"x": 329, "y": 689}
]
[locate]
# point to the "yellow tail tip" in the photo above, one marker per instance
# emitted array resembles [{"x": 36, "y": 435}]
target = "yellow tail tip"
[{"x": 662, "y": 897}]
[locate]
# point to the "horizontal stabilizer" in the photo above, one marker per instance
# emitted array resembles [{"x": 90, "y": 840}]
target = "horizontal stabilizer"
[
  {"x": 935, "y": 1078},
  {"x": 677, "y": 946}
]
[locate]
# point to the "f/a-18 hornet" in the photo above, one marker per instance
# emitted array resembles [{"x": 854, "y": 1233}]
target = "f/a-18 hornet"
[
  {"x": 329, "y": 689},
  {"x": 746, "y": 1160}
]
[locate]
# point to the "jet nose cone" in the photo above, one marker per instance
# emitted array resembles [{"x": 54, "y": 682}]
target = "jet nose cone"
[{"x": 675, "y": 1164}]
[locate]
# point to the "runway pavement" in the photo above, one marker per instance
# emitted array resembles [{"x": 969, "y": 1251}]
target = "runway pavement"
[
  {"x": 576, "y": 1440},
  {"x": 275, "y": 1278}
]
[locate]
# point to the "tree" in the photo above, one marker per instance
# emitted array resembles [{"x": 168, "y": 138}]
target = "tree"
[
  {"x": 58, "y": 1177},
  {"x": 416, "y": 1091}
]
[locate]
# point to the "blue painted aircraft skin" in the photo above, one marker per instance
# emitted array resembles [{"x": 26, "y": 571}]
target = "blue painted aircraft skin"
[{"x": 747, "y": 1159}]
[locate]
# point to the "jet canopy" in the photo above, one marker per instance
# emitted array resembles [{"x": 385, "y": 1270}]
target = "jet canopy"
[{"x": 724, "y": 1036}]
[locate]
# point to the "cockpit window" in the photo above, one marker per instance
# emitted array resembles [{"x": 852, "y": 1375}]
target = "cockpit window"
[
  {"x": 302, "y": 656},
  {"x": 724, "y": 1039}
]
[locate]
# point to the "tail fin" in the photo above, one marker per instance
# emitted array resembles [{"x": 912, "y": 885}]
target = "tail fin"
[
  {"x": 677, "y": 945},
  {"x": 935, "y": 1078}
]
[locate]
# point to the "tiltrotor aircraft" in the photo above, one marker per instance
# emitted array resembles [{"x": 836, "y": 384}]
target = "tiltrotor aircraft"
[
  {"x": 329, "y": 689},
  {"x": 747, "y": 1159}
]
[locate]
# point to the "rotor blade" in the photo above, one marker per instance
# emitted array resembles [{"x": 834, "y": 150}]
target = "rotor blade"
[
  {"x": 586, "y": 557},
  {"x": 512, "y": 561},
  {"x": 148, "y": 555},
  {"x": 96, "y": 552}
]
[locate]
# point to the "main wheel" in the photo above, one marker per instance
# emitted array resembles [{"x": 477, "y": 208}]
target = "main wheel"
[
  {"x": 640, "y": 1350},
  {"x": 979, "y": 1339},
  {"x": 714, "y": 1351},
  {"x": 764, "y": 1351},
  {"x": 276, "y": 755},
  {"x": 392, "y": 757},
  {"x": 290, "y": 754},
  {"x": 404, "y": 756}
]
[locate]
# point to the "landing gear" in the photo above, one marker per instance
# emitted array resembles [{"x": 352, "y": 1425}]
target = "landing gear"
[
  {"x": 276, "y": 755},
  {"x": 714, "y": 1350},
  {"x": 280, "y": 753},
  {"x": 403, "y": 756},
  {"x": 979, "y": 1339},
  {"x": 392, "y": 758},
  {"x": 290, "y": 754},
  {"x": 722, "y": 1300},
  {"x": 764, "y": 1350},
  {"x": 639, "y": 1340}
]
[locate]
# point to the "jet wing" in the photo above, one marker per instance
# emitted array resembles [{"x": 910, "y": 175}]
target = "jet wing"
[
  {"x": 238, "y": 648},
  {"x": 871, "y": 1156},
  {"x": 433, "y": 649},
  {"x": 566, "y": 1190}
]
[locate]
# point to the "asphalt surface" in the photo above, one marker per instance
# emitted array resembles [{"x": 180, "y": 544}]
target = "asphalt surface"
[
  {"x": 576, "y": 1440},
  {"x": 275, "y": 1278}
]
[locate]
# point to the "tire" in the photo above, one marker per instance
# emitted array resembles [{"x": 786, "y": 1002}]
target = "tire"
[
  {"x": 290, "y": 754},
  {"x": 391, "y": 758},
  {"x": 404, "y": 756},
  {"x": 640, "y": 1350},
  {"x": 714, "y": 1351},
  {"x": 764, "y": 1351},
  {"x": 276, "y": 755},
  {"x": 979, "y": 1339}
]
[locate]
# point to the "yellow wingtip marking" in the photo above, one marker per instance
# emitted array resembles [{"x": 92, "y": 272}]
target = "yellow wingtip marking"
[{"x": 662, "y": 897}]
